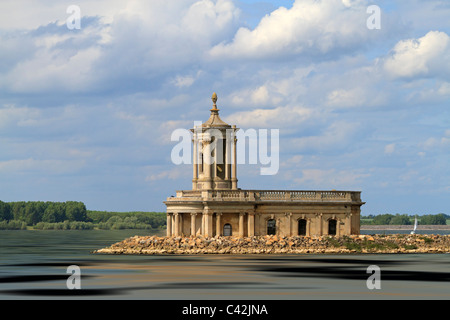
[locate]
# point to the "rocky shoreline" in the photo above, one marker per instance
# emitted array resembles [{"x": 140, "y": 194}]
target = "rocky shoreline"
[{"x": 396, "y": 243}]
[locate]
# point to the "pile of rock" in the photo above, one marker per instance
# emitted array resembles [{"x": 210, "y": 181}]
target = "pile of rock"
[{"x": 281, "y": 245}]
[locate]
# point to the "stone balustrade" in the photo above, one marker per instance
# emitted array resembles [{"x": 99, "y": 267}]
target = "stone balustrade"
[{"x": 267, "y": 195}]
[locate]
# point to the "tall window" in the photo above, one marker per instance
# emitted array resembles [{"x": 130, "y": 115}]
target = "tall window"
[
  {"x": 332, "y": 223},
  {"x": 271, "y": 227},
  {"x": 227, "y": 230},
  {"x": 302, "y": 227}
]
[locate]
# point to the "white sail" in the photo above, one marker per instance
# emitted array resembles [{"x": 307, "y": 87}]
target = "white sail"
[{"x": 415, "y": 226}]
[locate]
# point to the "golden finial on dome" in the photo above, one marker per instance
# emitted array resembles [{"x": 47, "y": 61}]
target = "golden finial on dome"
[{"x": 214, "y": 100}]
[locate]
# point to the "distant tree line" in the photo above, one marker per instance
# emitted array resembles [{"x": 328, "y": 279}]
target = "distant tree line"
[
  {"x": 404, "y": 219},
  {"x": 72, "y": 215},
  {"x": 440, "y": 219},
  {"x": 32, "y": 212},
  {"x": 128, "y": 220}
]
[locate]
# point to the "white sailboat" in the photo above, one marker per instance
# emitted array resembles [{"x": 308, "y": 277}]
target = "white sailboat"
[{"x": 415, "y": 226}]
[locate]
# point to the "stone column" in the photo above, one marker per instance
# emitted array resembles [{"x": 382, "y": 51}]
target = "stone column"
[
  {"x": 241, "y": 224},
  {"x": 195, "y": 162},
  {"x": 193, "y": 216},
  {"x": 207, "y": 161},
  {"x": 214, "y": 162},
  {"x": 251, "y": 224},
  {"x": 234, "y": 164},
  {"x": 227, "y": 156},
  {"x": 173, "y": 225},
  {"x": 177, "y": 224},
  {"x": 218, "y": 224},
  {"x": 169, "y": 224},
  {"x": 208, "y": 224},
  {"x": 202, "y": 229},
  {"x": 180, "y": 227}
]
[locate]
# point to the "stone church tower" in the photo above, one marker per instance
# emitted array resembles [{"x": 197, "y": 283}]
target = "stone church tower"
[
  {"x": 214, "y": 156},
  {"x": 217, "y": 207}
]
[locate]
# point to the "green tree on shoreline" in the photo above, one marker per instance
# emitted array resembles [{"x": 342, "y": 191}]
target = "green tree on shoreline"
[
  {"x": 404, "y": 219},
  {"x": 5, "y": 211},
  {"x": 433, "y": 219},
  {"x": 72, "y": 215}
]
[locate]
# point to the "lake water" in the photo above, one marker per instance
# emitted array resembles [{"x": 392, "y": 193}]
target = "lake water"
[{"x": 33, "y": 265}]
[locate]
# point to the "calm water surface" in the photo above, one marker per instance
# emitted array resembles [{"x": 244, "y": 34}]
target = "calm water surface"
[{"x": 33, "y": 265}]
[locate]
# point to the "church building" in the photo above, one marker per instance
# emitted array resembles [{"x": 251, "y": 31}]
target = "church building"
[{"x": 217, "y": 207}]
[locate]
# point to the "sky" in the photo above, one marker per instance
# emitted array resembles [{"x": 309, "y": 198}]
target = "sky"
[{"x": 87, "y": 114}]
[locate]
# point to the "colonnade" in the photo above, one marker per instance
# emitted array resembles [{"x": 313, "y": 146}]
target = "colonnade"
[
  {"x": 287, "y": 224},
  {"x": 175, "y": 222}
]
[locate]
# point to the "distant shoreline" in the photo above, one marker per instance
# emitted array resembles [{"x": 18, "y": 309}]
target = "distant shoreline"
[{"x": 404, "y": 227}]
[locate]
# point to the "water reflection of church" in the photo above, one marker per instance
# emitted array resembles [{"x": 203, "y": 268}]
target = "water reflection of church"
[{"x": 216, "y": 206}]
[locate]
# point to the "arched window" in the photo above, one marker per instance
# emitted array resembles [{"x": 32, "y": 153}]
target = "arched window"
[
  {"x": 227, "y": 230},
  {"x": 302, "y": 227},
  {"x": 271, "y": 227},
  {"x": 332, "y": 223}
]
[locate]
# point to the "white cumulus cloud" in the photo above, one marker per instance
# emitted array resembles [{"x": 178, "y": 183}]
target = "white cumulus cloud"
[
  {"x": 310, "y": 27},
  {"x": 423, "y": 57}
]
